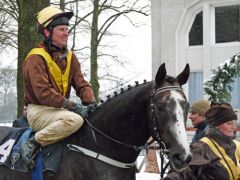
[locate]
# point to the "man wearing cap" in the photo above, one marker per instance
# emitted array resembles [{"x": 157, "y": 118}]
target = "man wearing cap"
[
  {"x": 217, "y": 154},
  {"x": 50, "y": 70},
  {"x": 197, "y": 116}
]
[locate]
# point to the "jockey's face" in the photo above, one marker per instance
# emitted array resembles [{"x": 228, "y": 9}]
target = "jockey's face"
[{"x": 59, "y": 35}]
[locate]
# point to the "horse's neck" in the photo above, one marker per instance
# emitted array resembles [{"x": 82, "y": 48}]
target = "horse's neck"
[
  {"x": 124, "y": 118},
  {"x": 126, "y": 114}
]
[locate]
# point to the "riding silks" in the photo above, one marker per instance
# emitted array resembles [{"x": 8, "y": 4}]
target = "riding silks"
[{"x": 61, "y": 79}]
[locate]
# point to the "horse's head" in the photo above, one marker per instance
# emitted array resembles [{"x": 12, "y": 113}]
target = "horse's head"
[{"x": 169, "y": 114}]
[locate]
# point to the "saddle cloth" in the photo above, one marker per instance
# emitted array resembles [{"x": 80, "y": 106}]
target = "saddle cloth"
[{"x": 10, "y": 149}]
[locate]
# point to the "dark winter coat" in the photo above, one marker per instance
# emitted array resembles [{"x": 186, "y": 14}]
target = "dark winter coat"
[
  {"x": 20, "y": 122},
  {"x": 201, "y": 130},
  {"x": 205, "y": 164}
]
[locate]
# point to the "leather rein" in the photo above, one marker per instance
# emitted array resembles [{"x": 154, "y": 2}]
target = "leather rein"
[{"x": 154, "y": 129}]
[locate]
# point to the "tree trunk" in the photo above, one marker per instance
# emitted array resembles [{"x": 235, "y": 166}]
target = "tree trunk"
[
  {"x": 62, "y": 5},
  {"x": 94, "y": 51},
  {"x": 27, "y": 39}
]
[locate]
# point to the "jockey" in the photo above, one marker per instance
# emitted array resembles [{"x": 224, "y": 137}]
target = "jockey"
[{"x": 50, "y": 70}]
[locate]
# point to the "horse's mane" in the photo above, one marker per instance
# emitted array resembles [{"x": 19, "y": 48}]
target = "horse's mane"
[
  {"x": 128, "y": 93},
  {"x": 123, "y": 93},
  {"x": 121, "y": 107}
]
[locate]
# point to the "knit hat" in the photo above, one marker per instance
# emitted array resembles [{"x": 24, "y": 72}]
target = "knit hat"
[
  {"x": 217, "y": 115},
  {"x": 200, "y": 107}
]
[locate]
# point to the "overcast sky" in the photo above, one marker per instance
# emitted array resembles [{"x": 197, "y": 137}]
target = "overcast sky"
[{"x": 136, "y": 47}]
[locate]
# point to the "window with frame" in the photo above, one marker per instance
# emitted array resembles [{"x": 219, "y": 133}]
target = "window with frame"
[
  {"x": 195, "y": 86},
  {"x": 195, "y": 36},
  {"x": 227, "y": 24},
  {"x": 235, "y": 93}
]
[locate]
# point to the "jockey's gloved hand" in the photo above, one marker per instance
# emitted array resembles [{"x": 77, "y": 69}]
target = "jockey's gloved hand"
[
  {"x": 81, "y": 110},
  {"x": 91, "y": 106},
  {"x": 70, "y": 105}
]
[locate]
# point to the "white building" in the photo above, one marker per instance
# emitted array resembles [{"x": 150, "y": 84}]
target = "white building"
[{"x": 203, "y": 33}]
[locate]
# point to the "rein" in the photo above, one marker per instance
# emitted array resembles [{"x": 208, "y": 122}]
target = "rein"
[
  {"x": 156, "y": 134},
  {"x": 103, "y": 158},
  {"x": 136, "y": 148}
]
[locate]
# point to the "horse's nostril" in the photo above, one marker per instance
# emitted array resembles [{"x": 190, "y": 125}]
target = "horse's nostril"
[
  {"x": 181, "y": 158},
  {"x": 177, "y": 157}
]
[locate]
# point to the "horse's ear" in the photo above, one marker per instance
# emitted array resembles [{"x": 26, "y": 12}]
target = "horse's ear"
[
  {"x": 161, "y": 74},
  {"x": 183, "y": 76}
]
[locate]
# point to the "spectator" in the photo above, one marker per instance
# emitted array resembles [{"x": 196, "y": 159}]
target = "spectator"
[
  {"x": 217, "y": 155},
  {"x": 197, "y": 116},
  {"x": 22, "y": 120}
]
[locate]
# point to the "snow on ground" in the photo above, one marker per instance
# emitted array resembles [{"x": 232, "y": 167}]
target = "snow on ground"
[
  {"x": 6, "y": 124},
  {"x": 141, "y": 167},
  {"x": 147, "y": 176}
]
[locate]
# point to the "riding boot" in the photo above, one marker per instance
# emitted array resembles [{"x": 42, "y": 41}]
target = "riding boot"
[{"x": 29, "y": 150}]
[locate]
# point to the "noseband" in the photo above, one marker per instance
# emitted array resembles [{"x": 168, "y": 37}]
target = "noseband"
[{"x": 155, "y": 132}]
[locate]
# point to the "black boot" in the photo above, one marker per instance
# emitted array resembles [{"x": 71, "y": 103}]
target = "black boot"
[{"x": 29, "y": 150}]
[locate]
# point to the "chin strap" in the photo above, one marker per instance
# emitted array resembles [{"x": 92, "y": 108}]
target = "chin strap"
[{"x": 52, "y": 48}]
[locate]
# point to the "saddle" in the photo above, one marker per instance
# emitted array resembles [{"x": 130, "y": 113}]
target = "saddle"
[{"x": 10, "y": 155}]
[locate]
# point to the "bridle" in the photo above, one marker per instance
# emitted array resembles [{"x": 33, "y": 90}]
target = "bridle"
[
  {"x": 154, "y": 129},
  {"x": 155, "y": 133}
]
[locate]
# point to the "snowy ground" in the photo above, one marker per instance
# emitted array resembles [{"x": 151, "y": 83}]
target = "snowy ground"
[
  {"x": 147, "y": 176},
  {"x": 143, "y": 175}
]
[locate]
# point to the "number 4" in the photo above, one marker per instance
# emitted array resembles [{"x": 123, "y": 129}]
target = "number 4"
[{"x": 5, "y": 149}]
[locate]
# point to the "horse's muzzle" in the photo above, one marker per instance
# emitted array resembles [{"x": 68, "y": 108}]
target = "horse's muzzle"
[{"x": 180, "y": 161}]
